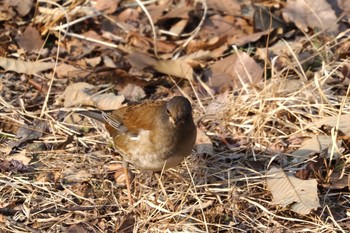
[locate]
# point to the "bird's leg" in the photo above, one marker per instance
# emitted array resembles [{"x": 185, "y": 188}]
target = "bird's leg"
[{"x": 127, "y": 180}]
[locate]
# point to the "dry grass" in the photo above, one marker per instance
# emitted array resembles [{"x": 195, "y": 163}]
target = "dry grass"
[{"x": 70, "y": 186}]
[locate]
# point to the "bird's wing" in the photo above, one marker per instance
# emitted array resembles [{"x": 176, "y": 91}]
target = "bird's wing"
[{"x": 133, "y": 118}]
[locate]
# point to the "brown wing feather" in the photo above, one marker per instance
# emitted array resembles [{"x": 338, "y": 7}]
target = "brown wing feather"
[
  {"x": 142, "y": 116},
  {"x": 136, "y": 117}
]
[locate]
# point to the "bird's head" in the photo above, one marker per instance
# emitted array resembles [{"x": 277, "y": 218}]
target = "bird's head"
[{"x": 179, "y": 110}]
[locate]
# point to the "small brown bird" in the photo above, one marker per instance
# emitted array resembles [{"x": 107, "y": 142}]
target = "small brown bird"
[{"x": 153, "y": 135}]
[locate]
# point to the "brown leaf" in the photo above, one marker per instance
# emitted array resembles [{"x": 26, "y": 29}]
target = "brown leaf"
[
  {"x": 338, "y": 181},
  {"x": 311, "y": 14},
  {"x": 313, "y": 168},
  {"x": 19, "y": 161},
  {"x": 178, "y": 27},
  {"x": 140, "y": 60},
  {"x": 28, "y": 133},
  {"x": 80, "y": 93},
  {"x": 180, "y": 11},
  {"x": 230, "y": 7},
  {"x": 333, "y": 121},
  {"x": 287, "y": 190},
  {"x": 64, "y": 70},
  {"x": 235, "y": 70},
  {"x": 72, "y": 175},
  {"x": 30, "y": 40},
  {"x": 143, "y": 43},
  {"x": 178, "y": 68},
  {"x": 23, "y": 7},
  {"x": 133, "y": 92},
  {"x": 79, "y": 228},
  {"x": 203, "y": 143},
  {"x": 107, "y": 6},
  {"x": 218, "y": 25},
  {"x": 156, "y": 11},
  {"x": 9, "y": 125},
  {"x": 26, "y": 67},
  {"x": 315, "y": 144},
  {"x": 214, "y": 43}
]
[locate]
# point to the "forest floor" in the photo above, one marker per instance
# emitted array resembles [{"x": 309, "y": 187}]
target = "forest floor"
[{"x": 269, "y": 85}]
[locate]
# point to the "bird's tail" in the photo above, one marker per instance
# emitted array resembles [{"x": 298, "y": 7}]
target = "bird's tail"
[{"x": 94, "y": 114}]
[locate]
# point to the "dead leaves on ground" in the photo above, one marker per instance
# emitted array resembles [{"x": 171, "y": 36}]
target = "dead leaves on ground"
[
  {"x": 81, "y": 94},
  {"x": 289, "y": 190},
  {"x": 254, "y": 68}
]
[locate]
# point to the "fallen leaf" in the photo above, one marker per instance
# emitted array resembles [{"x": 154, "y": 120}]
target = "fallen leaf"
[
  {"x": 337, "y": 181},
  {"x": 315, "y": 144},
  {"x": 64, "y": 70},
  {"x": 221, "y": 103},
  {"x": 71, "y": 175},
  {"x": 178, "y": 27},
  {"x": 140, "y": 60},
  {"x": 133, "y": 92},
  {"x": 311, "y": 14},
  {"x": 218, "y": 25},
  {"x": 178, "y": 68},
  {"x": 80, "y": 93},
  {"x": 23, "y": 7},
  {"x": 235, "y": 70},
  {"x": 203, "y": 143},
  {"x": 30, "y": 40},
  {"x": 79, "y": 228},
  {"x": 76, "y": 93},
  {"x": 25, "y": 67},
  {"x": 332, "y": 121},
  {"x": 287, "y": 190},
  {"x": 106, "y": 6},
  {"x": 12, "y": 165},
  {"x": 230, "y": 7},
  {"x": 28, "y": 133},
  {"x": 108, "y": 62},
  {"x": 19, "y": 160},
  {"x": 106, "y": 101},
  {"x": 93, "y": 62},
  {"x": 312, "y": 169}
]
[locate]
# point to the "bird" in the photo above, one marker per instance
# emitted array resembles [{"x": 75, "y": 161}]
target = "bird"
[{"x": 153, "y": 135}]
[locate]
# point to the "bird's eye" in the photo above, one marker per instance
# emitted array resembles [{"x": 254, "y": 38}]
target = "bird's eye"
[{"x": 168, "y": 112}]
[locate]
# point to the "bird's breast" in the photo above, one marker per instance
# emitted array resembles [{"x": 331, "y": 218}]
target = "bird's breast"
[{"x": 151, "y": 150}]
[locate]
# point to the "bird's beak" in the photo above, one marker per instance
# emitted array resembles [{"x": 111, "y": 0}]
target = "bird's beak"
[{"x": 178, "y": 120}]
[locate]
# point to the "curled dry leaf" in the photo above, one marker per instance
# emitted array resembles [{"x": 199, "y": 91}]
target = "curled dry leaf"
[
  {"x": 288, "y": 190},
  {"x": 203, "y": 143},
  {"x": 106, "y": 101},
  {"x": 26, "y": 67},
  {"x": 179, "y": 68},
  {"x": 78, "y": 94}
]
